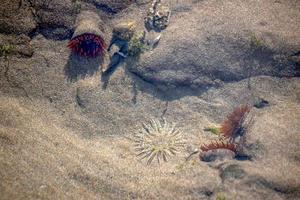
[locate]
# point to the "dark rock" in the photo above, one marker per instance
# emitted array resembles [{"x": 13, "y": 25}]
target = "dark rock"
[
  {"x": 81, "y": 103},
  {"x": 61, "y": 33},
  {"x": 55, "y": 18},
  {"x": 201, "y": 191},
  {"x": 296, "y": 58},
  {"x": 217, "y": 154},
  {"x": 110, "y": 7},
  {"x": 261, "y": 103},
  {"x": 16, "y": 17}
]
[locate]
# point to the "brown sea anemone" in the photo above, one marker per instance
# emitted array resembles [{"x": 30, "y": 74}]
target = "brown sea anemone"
[
  {"x": 218, "y": 150},
  {"x": 232, "y": 125},
  {"x": 227, "y": 146},
  {"x": 219, "y": 145}
]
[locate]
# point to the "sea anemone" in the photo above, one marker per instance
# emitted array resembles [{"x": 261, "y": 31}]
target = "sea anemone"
[
  {"x": 219, "y": 145},
  {"x": 232, "y": 125},
  {"x": 227, "y": 147},
  {"x": 218, "y": 150},
  {"x": 88, "y": 39},
  {"x": 88, "y": 45},
  {"x": 158, "y": 139}
]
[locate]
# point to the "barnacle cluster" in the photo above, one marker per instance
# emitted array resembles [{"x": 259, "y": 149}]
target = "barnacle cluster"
[
  {"x": 158, "y": 16},
  {"x": 159, "y": 140}
]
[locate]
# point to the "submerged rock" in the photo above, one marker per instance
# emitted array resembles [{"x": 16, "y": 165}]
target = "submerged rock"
[
  {"x": 216, "y": 154},
  {"x": 261, "y": 103}
]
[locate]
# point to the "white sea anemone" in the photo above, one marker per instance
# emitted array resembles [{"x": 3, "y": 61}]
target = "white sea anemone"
[{"x": 158, "y": 139}]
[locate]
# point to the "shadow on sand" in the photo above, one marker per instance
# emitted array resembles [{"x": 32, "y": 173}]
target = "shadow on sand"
[{"x": 80, "y": 68}]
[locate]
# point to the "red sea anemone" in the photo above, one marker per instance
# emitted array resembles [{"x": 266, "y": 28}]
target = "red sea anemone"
[
  {"x": 89, "y": 36},
  {"x": 88, "y": 45}
]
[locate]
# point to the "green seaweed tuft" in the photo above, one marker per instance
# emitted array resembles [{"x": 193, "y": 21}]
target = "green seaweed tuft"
[
  {"x": 6, "y": 49},
  {"x": 214, "y": 130},
  {"x": 256, "y": 42},
  {"x": 136, "y": 45},
  {"x": 220, "y": 197}
]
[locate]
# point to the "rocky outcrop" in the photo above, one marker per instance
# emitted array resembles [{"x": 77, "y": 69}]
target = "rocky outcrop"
[
  {"x": 210, "y": 45},
  {"x": 16, "y": 17}
]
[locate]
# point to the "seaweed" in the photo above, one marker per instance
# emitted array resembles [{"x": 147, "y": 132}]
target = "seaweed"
[
  {"x": 6, "y": 49},
  {"x": 220, "y": 197},
  {"x": 136, "y": 45},
  {"x": 212, "y": 129}
]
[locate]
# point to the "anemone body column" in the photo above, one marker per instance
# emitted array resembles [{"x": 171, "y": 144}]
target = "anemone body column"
[{"x": 89, "y": 39}]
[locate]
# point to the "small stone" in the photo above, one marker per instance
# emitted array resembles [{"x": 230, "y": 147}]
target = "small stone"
[
  {"x": 216, "y": 154},
  {"x": 261, "y": 103},
  {"x": 152, "y": 38},
  {"x": 113, "y": 49},
  {"x": 26, "y": 50},
  {"x": 124, "y": 31}
]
